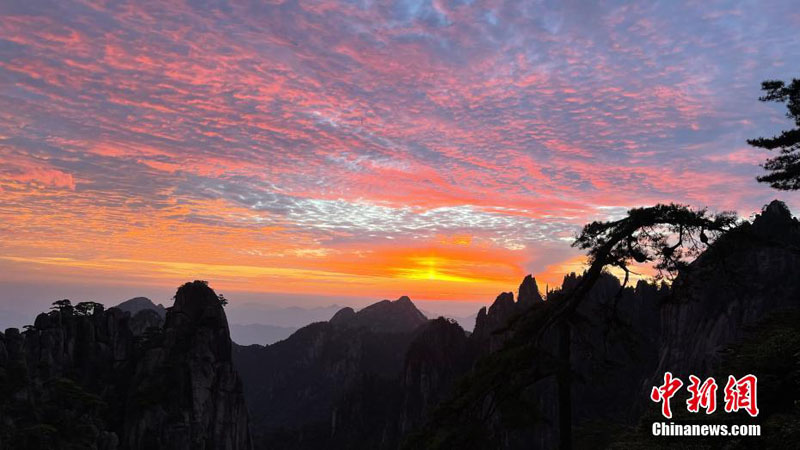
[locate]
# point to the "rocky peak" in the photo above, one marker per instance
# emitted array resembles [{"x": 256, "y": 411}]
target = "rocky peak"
[
  {"x": 198, "y": 302},
  {"x": 503, "y": 305},
  {"x": 404, "y": 300},
  {"x": 384, "y": 316},
  {"x": 190, "y": 371},
  {"x": 173, "y": 387},
  {"x": 744, "y": 275},
  {"x": 343, "y": 316},
  {"x": 496, "y": 317},
  {"x": 528, "y": 292},
  {"x": 136, "y": 304},
  {"x": 775, "y": 223}
]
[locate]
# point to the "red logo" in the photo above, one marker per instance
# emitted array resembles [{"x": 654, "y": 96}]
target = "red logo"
[
  {"x": 704, "y": 395},
  {"x": 665, "y": 392},
  {"x": 740, "y": 394}
]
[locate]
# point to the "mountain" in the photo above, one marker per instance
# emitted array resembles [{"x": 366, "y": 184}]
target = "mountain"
[
  {"x": 747, "y": 274},
  {"x": 186, "y": 391},
  {"x": 335, "y": 384},
  {"x": 399, "y": 316},
  {"x": 80, "y": 378},
  {"x": 134, "y": 305},
  {"x": 509, "y": 397},
  {"x": 490, "y": 324},
  {"x": 257, "y": 333},
  {"x": 146, "y": 314},
  {"x": 465, "y": 322},
  {"x": 734, "y": 310},
  {"x": 439, "y": 354}
]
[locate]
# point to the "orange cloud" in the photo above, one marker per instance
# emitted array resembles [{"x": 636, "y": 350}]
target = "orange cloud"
[{"x": 436, "y": 151}]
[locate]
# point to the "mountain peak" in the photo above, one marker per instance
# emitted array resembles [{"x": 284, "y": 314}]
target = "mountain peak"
[
  {"x": 528, "y": 292},
  {"x": 137, "y": 304},
  {"x": 503, "y": 304},
  {"x": 776, "y": 223},
  {"x": 343, "y": 316},
  {"x": 384, "y": 316},
  {"x": 197, "y": 301},
  {"x": 777, "y": 208}
]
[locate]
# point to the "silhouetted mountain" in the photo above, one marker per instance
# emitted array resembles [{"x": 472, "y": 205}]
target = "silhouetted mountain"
[
  {"x": 745, "y": 275},
  {"x": 622, "y": 341},
  {"x": 465, "y": 322},
  {"x": 490, "y": 324},
  {"x": 399, "y": 316},
  {"x": 343, "y": 316},
  {"x": 136, "y": 304},
  {"x": 142, "y": 310},
  {"x": 144, "y": 314},
  {"x": 79, "y": 378},
  {"x": 439, "y": 354},
  {"x": 528, "y": 294},
  {"x": 336, "y": 384},
  {"x": 185, "y": 392},
  {"x": 614, "y": 337}
]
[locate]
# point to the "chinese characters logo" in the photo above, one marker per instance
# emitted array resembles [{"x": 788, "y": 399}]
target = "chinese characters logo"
[{"x": 740, "y": 394}]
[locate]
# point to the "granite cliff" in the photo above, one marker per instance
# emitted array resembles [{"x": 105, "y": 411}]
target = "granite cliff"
[{"x": 80, "y": 377}]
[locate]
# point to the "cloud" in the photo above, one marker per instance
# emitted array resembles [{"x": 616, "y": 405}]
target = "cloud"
[{"x": 275, "y": 134}]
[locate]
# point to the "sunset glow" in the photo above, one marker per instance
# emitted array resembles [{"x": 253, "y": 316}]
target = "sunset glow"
[{"x": 440, "y": 150}]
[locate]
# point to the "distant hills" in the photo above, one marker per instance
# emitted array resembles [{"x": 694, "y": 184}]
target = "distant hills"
[
  {"x": 137, "y": 304},
  {"x": 386, "y": 316},
  {"x": 349, "y": 366}
]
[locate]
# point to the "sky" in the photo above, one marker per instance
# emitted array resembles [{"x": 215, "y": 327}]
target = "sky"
[{"x": 319, "y": 152}]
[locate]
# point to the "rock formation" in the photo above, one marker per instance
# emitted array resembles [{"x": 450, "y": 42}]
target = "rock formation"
[
  {"x": 80, "y": 377},
  {"x": 137, "y": 304},
  {"x": 439, "y": 354},
  {"x": 399, "y": 316},
  {"x": 746, "y": 274},
  {"x": 186, "y": 392},
  {"x": 337, "y": 384},
  {"x": 491, "y": 326}
]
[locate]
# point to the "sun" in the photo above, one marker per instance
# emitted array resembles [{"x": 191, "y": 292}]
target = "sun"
[{"x": 434, "y": 268}]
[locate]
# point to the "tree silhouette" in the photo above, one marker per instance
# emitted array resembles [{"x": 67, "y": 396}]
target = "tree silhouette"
[
  {"x": 88, "y": 308},
  {"x": 784, "y": 169},
  {"x": 62, "y": 305},
  {"x": 667, "y": 236}
]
